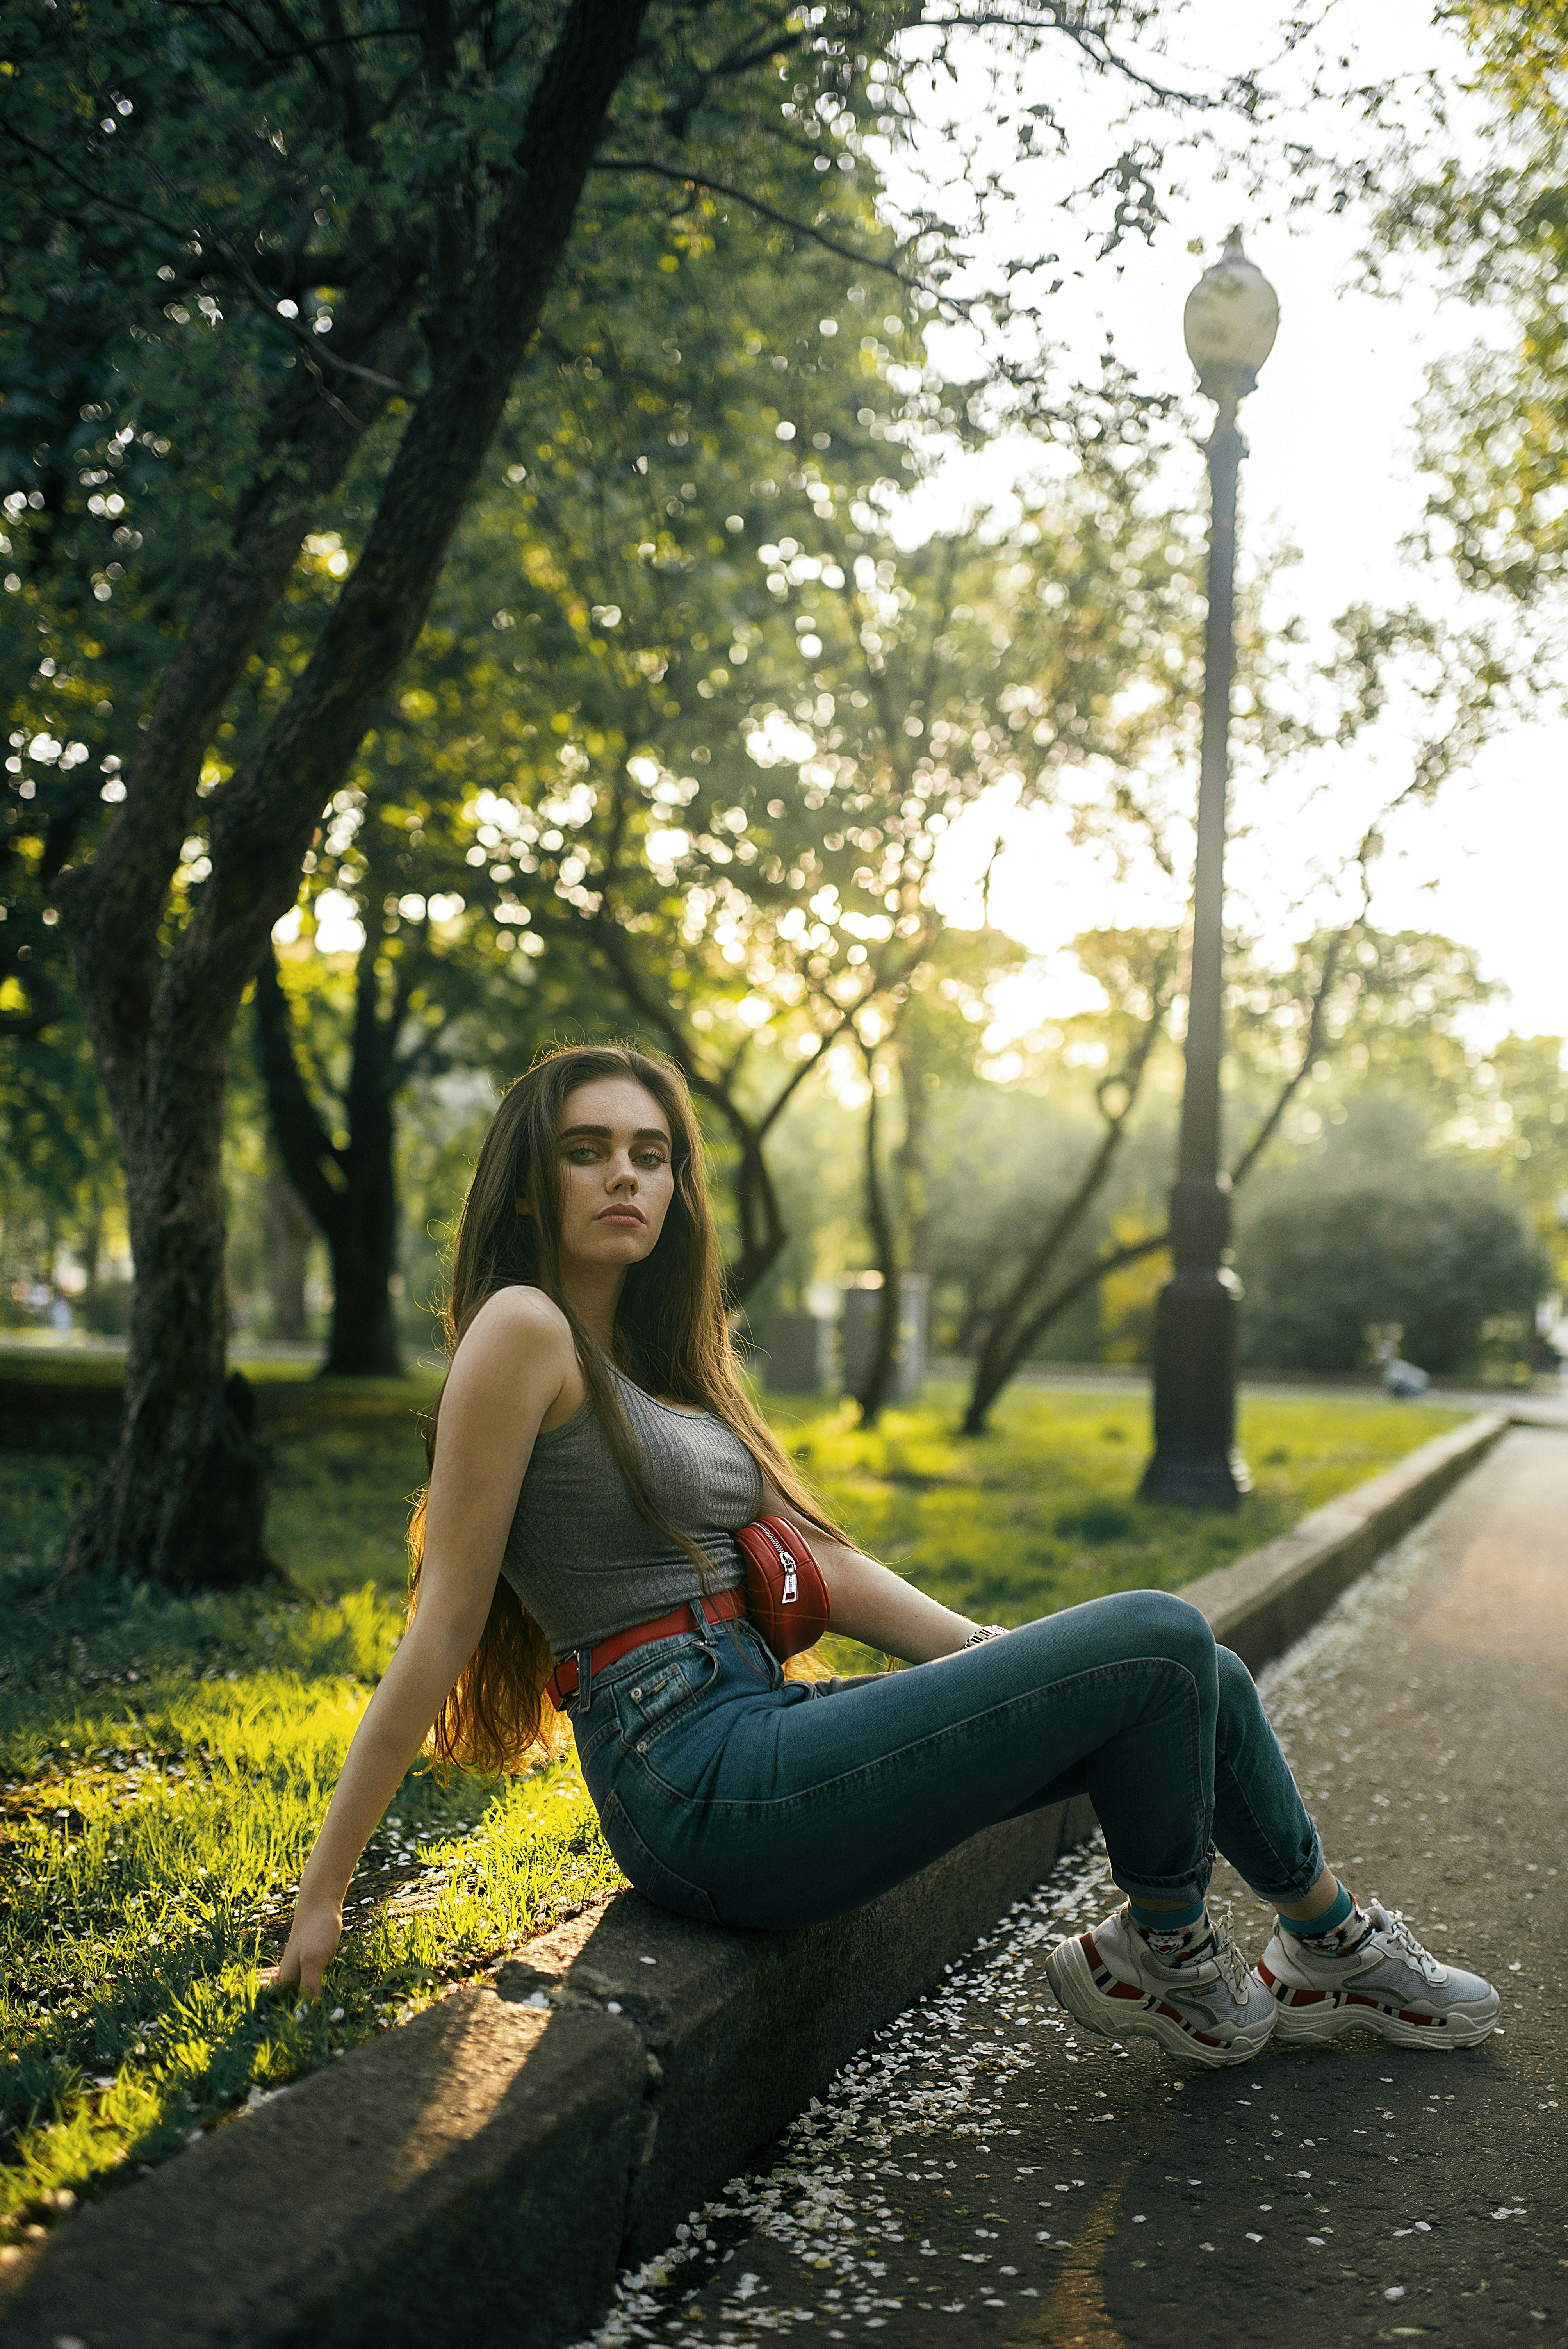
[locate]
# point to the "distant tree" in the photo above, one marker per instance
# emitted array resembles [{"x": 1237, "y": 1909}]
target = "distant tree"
[
  {"x": 1490, "y": 213},
  {"x": 1353, "y": 993},
  {"x": 723, "y": 768},
  {"x": 442, "y": 978},
  {"x": 59, "y": 1176},
  {"x": 1525, "y": 1105},
  {"x": 1138, "y": 970},
  {"x": 1369, "y": 1229},
  {"x": 569, "y": 674},
  {"x": 929, "y": 1034}
]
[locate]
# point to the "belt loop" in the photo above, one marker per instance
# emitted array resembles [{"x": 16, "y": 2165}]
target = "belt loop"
[
  {"x": 704, "y": 1624},
  {"x": 585, "y": 1678}
]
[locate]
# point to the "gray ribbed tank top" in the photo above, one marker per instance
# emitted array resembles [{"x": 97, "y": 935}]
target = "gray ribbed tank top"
[{"x": 582, "y": 1560}]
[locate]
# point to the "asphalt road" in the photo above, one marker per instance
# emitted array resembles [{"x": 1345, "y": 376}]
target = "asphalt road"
[{"x": 987, "y": 2172}]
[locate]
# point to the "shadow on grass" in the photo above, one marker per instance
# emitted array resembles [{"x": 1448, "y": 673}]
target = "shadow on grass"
[{"x": 165, "y": 1760}]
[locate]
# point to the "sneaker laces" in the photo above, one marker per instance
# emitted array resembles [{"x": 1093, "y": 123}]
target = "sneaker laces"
[
  {"x": 1406, "y": 1943},
  {"x": 1232, "y": 1964}
]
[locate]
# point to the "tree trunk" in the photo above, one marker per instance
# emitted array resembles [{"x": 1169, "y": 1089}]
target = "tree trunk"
[
  {"x": 1012, "y": 1330},
  {"x": 1052, "y": 1309},
  {"x": 364, "y": 1322},
  {"x": 364, "y": 1233},
  {"x": 89, "y": 1247},
  {"x": 183, "y": 1500},
  {"x": 762, "y": 1229},
  {"x": 290, "y": 1227},
  {"x": 998, "y": 1362},
  {"x": 1015, "y": 1328},
  {"x": 350, "y": 1190},
  {"x": 919, "y": 1223}
]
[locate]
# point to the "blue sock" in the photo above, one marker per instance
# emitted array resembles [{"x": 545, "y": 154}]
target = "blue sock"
[
  {"x": 1329, "y": 1922},
  {"x": 1164, "y": 1921}
]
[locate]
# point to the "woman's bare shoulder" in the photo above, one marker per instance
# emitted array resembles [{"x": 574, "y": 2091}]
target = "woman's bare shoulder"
[{"x": 517, "y": 1321}]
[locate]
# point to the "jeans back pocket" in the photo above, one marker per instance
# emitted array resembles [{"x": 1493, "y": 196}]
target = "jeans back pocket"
[{"x": 648, "y": 1700}]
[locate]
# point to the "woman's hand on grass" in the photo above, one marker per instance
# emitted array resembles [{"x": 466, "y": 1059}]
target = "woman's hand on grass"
[{"x": 312, "y": 1942}]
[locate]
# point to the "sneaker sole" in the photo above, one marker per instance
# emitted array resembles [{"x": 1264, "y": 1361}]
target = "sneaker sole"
[
  {"x": 1137, "y": 2014},
  {"x": 1309, "y": 2018}
]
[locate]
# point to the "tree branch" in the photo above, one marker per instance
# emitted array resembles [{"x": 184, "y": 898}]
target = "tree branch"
[
  {"x": 1309, "y": 1053},
  {"x": 1009, "y": 1337},
  {"x": 114, "y": 905},
  {"x": 1094, "y": 46},
  {"x": 302, "y": 1140},
  {"x": 262, "y": 821},
  {"x": 755, "y": 203},
  {"x": 1131, "y": 1252},
  {"x": 126, "y": 210}
]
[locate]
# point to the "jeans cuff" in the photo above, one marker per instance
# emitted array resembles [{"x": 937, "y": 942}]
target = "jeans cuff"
[
  {"x": 1179, "y": 1890},
  {"x": 1293, "y": 1889}
]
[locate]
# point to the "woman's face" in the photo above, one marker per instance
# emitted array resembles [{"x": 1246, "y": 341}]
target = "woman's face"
[{"x": 617, "y": 1175}]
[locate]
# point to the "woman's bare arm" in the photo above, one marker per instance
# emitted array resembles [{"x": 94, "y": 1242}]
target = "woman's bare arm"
[
  {"x": 873, "y": 1604},
  {"x": 510, "y": 1369}
]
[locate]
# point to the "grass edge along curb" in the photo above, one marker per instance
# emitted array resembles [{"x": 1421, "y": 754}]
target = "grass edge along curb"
[
  {"x": 481, "y": 2173},
  {"x": 488, "y": 2166}
]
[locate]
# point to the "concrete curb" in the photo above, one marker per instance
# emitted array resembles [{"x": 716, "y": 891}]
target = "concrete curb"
[{"x": 481, "y": 2173}]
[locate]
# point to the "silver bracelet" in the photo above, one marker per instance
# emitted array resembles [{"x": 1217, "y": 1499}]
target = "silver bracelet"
[{"x": 989, "y": 1631}]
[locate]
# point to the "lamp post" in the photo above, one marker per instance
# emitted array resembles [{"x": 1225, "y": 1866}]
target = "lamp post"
[{"x": 1230, "y": 323}]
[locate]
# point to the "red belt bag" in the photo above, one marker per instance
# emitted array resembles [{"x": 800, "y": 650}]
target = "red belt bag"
[{"x": 786, "y": 1597}]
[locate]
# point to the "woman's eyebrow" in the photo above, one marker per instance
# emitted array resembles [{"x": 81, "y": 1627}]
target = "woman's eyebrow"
[{"x": 603, "y": 1133}]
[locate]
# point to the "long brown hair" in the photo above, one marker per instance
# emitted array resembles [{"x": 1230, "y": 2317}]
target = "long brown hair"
[{"x": 671, "y": 1338}]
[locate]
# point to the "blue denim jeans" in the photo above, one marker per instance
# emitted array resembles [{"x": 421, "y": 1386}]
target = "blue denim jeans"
[{"x": 732, "y": 1794}]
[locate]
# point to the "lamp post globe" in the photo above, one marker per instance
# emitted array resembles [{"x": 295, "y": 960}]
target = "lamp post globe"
[{"x": 1230, "y": 323}]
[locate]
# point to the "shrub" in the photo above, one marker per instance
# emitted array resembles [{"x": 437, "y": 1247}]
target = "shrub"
[{"x": 1433, "y": 1246}]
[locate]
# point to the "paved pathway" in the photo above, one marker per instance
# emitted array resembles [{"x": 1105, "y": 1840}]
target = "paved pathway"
[{"x": 985, "y": 2173}]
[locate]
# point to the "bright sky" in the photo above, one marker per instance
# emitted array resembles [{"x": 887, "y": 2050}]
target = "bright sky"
[{"x": 1331, "y": 471}]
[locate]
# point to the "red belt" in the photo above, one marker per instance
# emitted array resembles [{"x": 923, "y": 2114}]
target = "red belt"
[{"x": 563, "y": 1681}]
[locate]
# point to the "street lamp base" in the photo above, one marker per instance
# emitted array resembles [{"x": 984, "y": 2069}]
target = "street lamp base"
[
  {"x": 1195, "y": 1461},
  {"x": 1198, "y": 1480}
]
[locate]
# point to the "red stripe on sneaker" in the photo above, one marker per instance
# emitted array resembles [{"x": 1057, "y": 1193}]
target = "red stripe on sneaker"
[
  {"x": 1407, "y": 2014},
  {"x": 1085, "y": 1944},
  {"x": 1269, "y": 1978},
  {"x": 1124, "y": 1990},
  {"x": 1306, "y": 1998}
]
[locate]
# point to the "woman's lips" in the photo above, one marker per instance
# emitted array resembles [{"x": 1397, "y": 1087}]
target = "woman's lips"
[{"x": 620, "y": 1215}]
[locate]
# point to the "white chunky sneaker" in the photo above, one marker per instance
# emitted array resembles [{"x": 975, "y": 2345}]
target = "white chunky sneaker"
[
  {"x": 1385, "y": 1983},
  {"x": 1206, "y": 2007}
]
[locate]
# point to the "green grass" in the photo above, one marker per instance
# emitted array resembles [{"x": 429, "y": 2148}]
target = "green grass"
[
  {"x": 164, "y": 1760},
  {"x": 1042, "y": 1513}
]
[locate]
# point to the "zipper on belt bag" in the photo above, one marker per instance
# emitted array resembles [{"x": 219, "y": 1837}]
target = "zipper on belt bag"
[{"x": 791, "y": 1573}]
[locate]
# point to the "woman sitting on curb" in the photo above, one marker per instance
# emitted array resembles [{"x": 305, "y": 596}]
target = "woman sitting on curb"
[{"x": 594, "y": 1455}]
